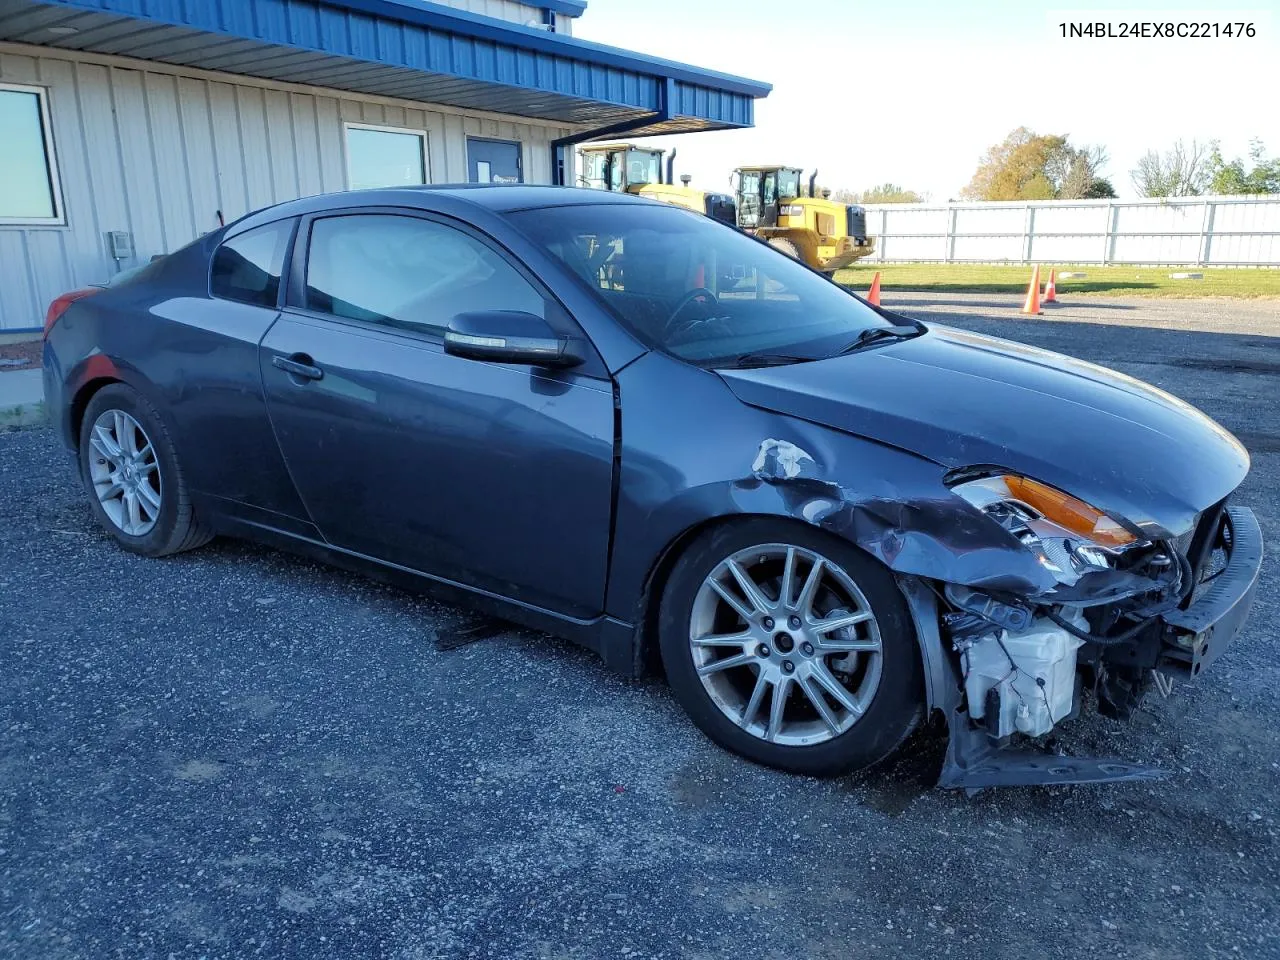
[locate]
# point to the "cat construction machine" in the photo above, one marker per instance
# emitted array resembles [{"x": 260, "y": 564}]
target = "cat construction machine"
[
  {"x": 818, "y": 231},
  {"x": 627, "y": 168}
]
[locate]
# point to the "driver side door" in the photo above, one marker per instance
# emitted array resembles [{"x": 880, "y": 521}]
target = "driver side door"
[{"x": 497, "y": 476}]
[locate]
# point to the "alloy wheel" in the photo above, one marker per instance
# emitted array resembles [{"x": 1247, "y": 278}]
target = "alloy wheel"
[
  {"x": 786, "y": 644},
  {"x": 125, "y": 473}
]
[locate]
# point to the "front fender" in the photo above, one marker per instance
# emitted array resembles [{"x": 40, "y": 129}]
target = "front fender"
[{"x": 730, "y": 459}]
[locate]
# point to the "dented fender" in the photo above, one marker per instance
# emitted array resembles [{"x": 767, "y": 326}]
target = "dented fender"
[
  {"x": 892, "y": 503},
  {"x": 906, "y": 517}
]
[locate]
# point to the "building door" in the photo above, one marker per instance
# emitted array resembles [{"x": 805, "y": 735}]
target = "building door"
[{"x": 494, "y": 161}]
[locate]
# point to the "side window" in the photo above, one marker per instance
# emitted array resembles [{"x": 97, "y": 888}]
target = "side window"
[
  {"x": 593, "y": 165},
  {"x": 248, "y": 266},
  {"x": 408, "y": 272}
]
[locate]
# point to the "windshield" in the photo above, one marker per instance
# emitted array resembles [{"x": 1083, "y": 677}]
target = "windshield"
[
  {"x": 698, "y": 289},
  {"x": 788, "y": 183},
  {"x": 643, "y": 166}
]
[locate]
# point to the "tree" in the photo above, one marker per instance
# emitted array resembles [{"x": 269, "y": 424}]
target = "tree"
[
  {"x": 1074, "y": 172},
  {"x": 1032, "y": 166},
  {"x": 1100, "y": 189},
  {"x": 1181, "y": 171},
  {"x": 1229, "y": 178},
  {"x": 884, "y": 193}
]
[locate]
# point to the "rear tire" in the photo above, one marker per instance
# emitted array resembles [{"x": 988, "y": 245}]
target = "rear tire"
[
  {"x": 867, "y": 673},
  {"x": 130, "y": 470}
]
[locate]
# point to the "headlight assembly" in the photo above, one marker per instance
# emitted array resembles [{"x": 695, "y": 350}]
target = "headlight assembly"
[{"x": 1068, "y": 536}]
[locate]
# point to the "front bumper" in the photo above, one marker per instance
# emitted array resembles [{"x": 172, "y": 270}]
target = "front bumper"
[
  {"x": 1196, "y": 636},
  {"x": 1192, "y": 638}
]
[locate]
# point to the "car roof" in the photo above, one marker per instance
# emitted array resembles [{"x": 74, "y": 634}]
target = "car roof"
[
  {"x": 523, "y": 196},
  {"x": 445, "y": 198}
]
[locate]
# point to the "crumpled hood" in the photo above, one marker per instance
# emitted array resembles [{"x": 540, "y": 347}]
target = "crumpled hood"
[{"x": 962, "y": 399}]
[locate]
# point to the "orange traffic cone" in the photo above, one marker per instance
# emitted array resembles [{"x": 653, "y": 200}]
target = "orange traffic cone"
[
  {"x": 873, "y": 295},
  {"x": 1051, "y": 288},
  {"x": 1032, "y": 305}
]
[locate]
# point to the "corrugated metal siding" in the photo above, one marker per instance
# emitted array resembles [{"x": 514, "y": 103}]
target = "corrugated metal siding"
[
  {"x": 693, "y": 100},
  {"x": 159, "y": 154},
  {"x": 374, "y": 46}
]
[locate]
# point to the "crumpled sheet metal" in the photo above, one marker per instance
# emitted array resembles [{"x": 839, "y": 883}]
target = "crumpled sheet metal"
[
  {"x": 919, "y": 527},
  {"x": 922, "y": 529}
]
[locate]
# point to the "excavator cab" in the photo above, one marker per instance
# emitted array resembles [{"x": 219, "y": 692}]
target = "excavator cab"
[
  {"x": 761, "y": 190},
  {"x": 627, "y": 168},
  {"x": 818, "y": 231},
  {"x": 620, "y": 167}
]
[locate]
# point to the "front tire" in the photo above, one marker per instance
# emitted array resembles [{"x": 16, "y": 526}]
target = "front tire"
[
  {"x": 783, "y": 245},
  {"x": 791, "y": 648},
  {"x": 130, "y": 470}
]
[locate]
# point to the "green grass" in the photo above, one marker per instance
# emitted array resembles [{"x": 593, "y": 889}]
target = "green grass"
[
  {"x": 26, "y": 415},
  {"x": 1112, "y": 281}
]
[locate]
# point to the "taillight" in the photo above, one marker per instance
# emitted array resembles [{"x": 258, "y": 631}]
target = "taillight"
[{"x": 59, "y": 306}]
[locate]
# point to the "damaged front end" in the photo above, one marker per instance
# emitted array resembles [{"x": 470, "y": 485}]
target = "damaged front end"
[
  {"x": 1027, "y": 600},
  {"x": 1127, "y": 614}
]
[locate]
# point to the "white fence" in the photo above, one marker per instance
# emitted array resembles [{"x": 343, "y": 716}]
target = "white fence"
[{"x": 1200, "y": 231}]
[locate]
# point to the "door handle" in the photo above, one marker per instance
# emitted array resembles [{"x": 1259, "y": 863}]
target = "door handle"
[{"x": 298, "y": 365}]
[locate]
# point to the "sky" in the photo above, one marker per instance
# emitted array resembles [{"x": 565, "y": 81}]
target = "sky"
[{"x": 913, "y": 92}]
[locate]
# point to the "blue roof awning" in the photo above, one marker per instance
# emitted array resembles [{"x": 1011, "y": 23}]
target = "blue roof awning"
[{"x": 409, "y": 49}]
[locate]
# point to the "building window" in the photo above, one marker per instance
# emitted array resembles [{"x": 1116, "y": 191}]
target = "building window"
[
  {"x": 29, "y": 189},
  {"x": 385, "y": 157}
]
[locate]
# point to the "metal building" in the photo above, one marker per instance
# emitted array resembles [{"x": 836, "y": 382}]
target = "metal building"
[{"x": 130, "y": 127}]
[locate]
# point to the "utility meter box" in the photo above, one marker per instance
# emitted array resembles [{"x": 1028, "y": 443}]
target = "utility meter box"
[{"x": 120, "y": 245}]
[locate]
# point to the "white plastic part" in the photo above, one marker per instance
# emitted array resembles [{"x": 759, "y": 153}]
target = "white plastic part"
[{"x": 1034, "y": 673}]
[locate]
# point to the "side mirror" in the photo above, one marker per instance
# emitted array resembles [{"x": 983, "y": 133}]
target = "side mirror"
[{"x": 511, "y": 336}]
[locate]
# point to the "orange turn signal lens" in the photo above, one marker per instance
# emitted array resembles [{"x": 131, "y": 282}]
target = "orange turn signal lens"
[{"x": 1069, "y": 513}]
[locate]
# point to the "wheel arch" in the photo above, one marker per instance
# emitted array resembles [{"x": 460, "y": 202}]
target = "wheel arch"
[
  {"x": 655, "y": 582},
  {"x": 921, "y": 601},
  {"x": 80, "y": 403},
  {"x": 890, "y": 709},
  {"x": 97, "y": 376}
]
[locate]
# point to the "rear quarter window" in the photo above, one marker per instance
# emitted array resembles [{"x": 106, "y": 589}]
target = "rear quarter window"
[{"x": 248, "y": 267}]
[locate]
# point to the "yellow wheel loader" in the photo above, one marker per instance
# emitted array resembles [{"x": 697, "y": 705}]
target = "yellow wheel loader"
[
  {"x": 822, "y": 233},
  {"x": 627, "y": 168}
]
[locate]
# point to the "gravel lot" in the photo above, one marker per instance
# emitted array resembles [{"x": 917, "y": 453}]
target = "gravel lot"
[{"x": 237, "y": 753}]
